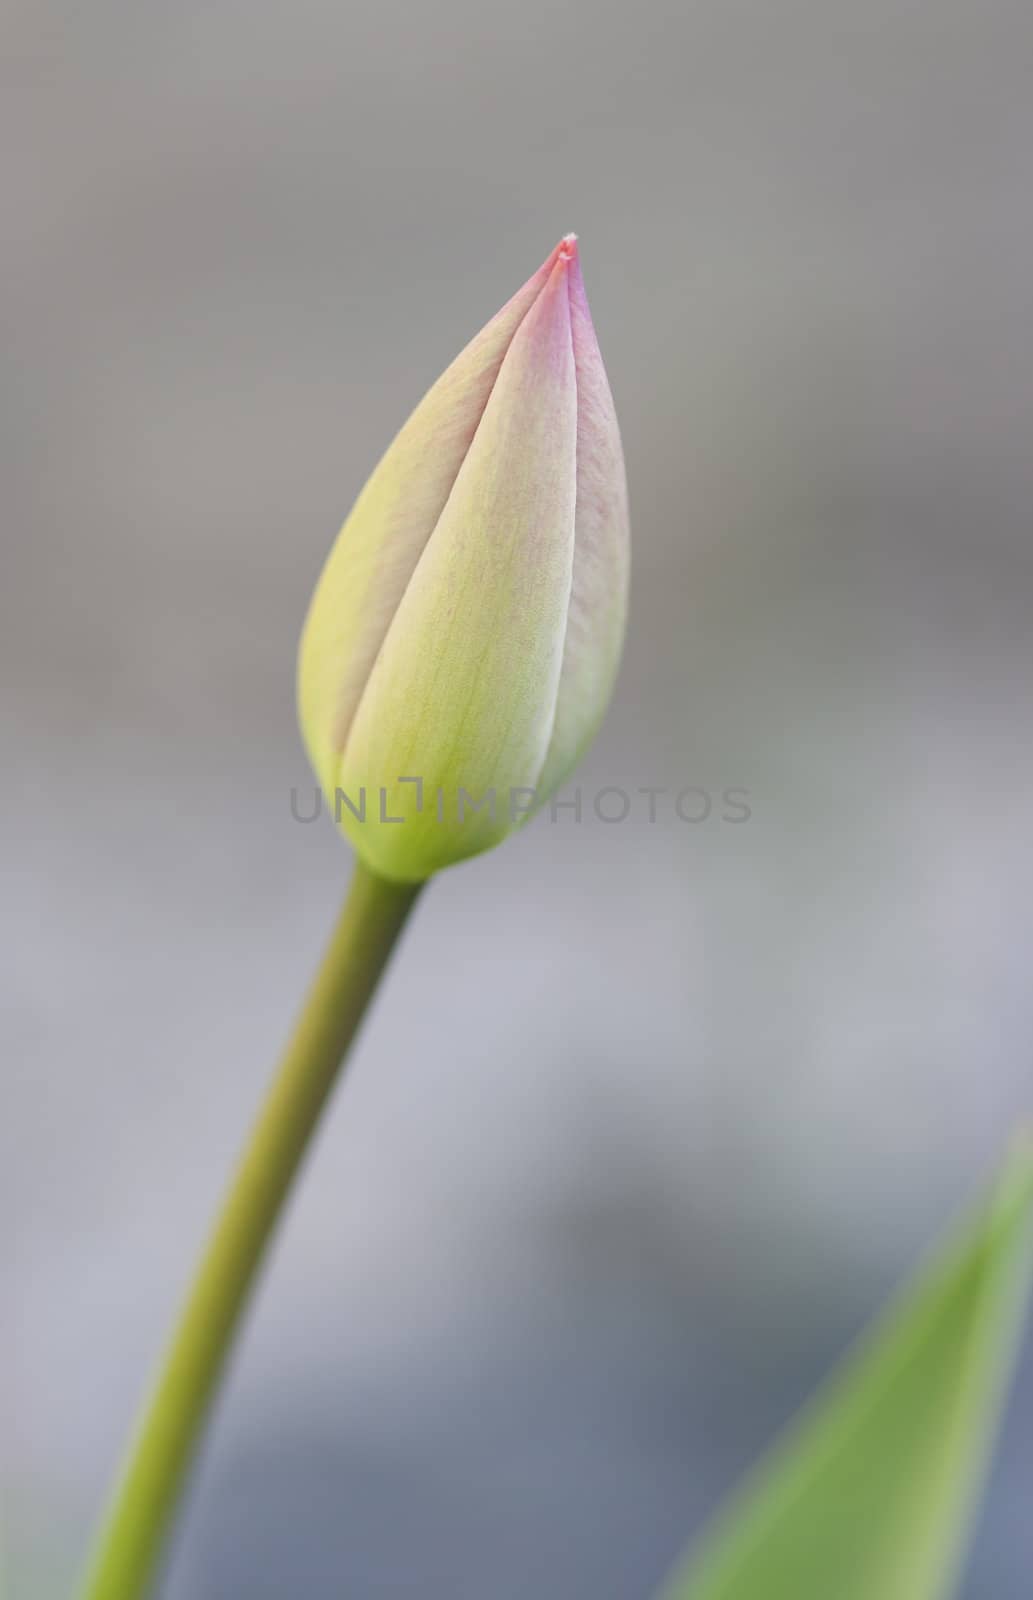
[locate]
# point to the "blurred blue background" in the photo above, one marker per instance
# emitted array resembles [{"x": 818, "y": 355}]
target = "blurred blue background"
[{"x": 650, "y": 1118}]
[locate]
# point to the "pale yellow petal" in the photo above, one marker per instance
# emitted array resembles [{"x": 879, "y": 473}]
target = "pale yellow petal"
[
  {"x": 598, "y": 599},
  {"x": 463, "y": 692}
]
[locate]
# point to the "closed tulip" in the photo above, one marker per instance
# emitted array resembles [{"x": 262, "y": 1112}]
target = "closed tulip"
[{"x": 463, "y": 639}]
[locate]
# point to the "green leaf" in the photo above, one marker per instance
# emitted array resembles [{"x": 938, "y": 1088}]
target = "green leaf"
[{"x": 872, "y": 1492}]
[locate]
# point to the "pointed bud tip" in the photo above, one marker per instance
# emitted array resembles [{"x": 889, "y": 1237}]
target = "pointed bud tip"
[{"x": 566, "y": 250}]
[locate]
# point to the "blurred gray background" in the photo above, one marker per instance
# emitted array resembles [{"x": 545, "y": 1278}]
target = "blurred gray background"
[{"x": 649, "y": 1118}]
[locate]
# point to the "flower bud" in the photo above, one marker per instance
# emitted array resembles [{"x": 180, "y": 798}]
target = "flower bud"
[{"x": 462, "y": 642}]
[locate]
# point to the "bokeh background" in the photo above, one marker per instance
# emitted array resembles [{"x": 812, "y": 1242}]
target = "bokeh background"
[{"x": 650, "y": 1118}]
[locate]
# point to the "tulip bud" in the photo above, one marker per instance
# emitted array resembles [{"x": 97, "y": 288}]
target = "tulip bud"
[{"x": 462, "y": 642}]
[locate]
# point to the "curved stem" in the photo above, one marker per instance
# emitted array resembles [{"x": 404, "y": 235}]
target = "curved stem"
[{"x": 131, "y": 1538}]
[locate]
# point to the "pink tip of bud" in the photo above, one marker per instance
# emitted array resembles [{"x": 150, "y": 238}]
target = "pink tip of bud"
[{"x": 566, "y": 250}]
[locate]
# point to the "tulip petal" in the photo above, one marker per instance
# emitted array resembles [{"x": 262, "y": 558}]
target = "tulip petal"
[
  {"x": 599, "y": 590},
  {"x": 463, "y": 692}
]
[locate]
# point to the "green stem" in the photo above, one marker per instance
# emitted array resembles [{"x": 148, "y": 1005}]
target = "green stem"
[{"x": 131, "y": 1538}]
